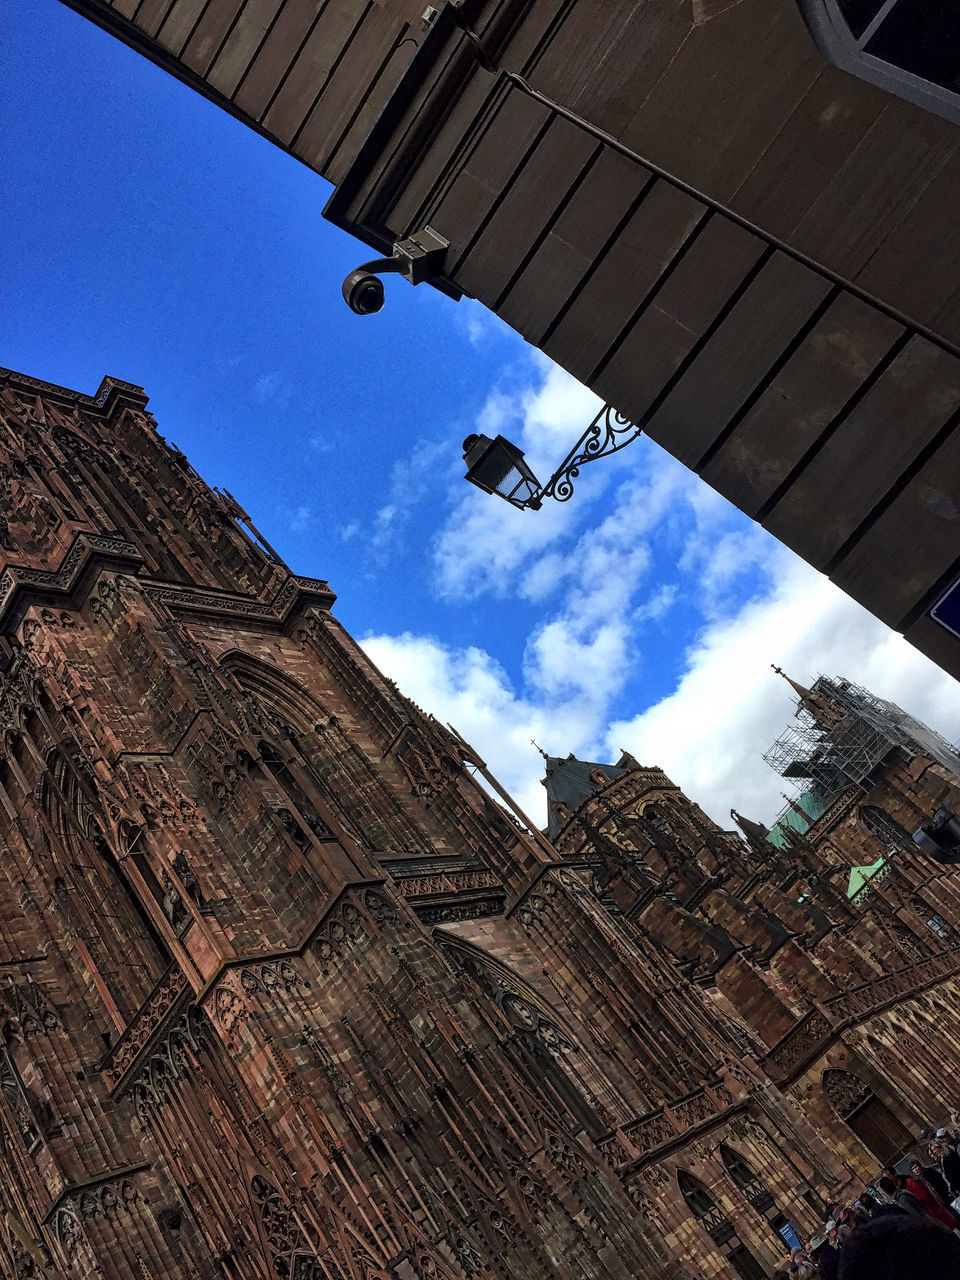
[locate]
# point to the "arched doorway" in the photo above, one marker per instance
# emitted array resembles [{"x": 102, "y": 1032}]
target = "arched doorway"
[
  {"x": 867, "y": 1115},
  {"x": 718, "y": 1227}
]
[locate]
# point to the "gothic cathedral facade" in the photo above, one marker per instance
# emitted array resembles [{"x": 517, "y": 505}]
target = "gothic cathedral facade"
[{"x": 289, "y": 995}]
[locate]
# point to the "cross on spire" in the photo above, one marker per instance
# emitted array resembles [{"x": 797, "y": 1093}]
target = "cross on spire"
[{"x": 823, "y": 709}]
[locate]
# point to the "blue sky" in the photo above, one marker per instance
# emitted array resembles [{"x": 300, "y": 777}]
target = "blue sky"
[{"x": 150, "y": 236}]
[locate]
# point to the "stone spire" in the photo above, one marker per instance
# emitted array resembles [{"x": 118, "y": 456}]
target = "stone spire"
[
  {"x": 754, "y": 831},
  {"x": 822, "y": 708}
]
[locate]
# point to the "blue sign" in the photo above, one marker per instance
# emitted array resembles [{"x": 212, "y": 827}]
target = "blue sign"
[
  {"x": 789, "y": 1233},
  {"x": 947, "y": 610}
]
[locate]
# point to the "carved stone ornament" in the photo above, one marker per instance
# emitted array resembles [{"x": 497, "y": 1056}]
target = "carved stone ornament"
[
  {"x": 451, "y": 913},
  {"x": 442, "y": 883},
  {"x": 564, "y": 1156},
  {"x": 428, "y": 771},
  {"x": 694, "y": 1110},
  {"x": 159, "y": 799},
  {"x": 151, "y": 1016},
  {"x": 27, "y": 1003},
  {"x": 846, "y": 1092},
  {"x": 107, "y": 598},
  {"x": 291, "y": 1256},
  {"x": 651, "y": 1131},
  {"x": 383, "y": 911},
  {"x": 166, "y": 1062},
  {"x": 230, "y": 1010},
  {"x": 805, "y": 1037},
  {"x": 110, "y": 1199},
  {"x": 19, "y": 688},
  {"x": 15, "y": 1097}
]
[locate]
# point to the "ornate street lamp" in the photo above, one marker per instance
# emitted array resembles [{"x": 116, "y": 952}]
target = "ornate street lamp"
[{"x": 497, "y": 466}]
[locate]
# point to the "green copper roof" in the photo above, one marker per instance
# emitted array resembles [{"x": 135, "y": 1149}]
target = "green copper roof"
[
  {"x": 859, "y": 876},
  {"x": 812, "y": 804}
]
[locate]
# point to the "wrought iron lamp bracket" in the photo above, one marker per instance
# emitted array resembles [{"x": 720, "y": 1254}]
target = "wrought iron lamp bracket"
[{"x": 609, "y": 432}]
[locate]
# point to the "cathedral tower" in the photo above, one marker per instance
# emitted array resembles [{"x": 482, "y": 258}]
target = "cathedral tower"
[
  {"x": 233, "y": 1044},
  {"x": 289, "y": 995}
]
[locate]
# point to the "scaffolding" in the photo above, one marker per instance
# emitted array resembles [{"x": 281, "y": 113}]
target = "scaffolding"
[{"x": 847, "y": 751}]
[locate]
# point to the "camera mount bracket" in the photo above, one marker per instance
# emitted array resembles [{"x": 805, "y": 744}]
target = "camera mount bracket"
[{"x": 417, "y": 258}]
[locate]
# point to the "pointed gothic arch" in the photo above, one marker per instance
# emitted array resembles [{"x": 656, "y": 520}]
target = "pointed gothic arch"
[
  {"x": 885, "y": 829},
  {"x": 655, "y": 816},
  {"x": 94, "y": 888},
  {"x": 288, "y": 1252},
  {"x": 281, "y": 770},
  {"x": 855, "y": 1102},
  {"x": 552, "y": 1051},
  {"x": 15, "y": 1096},
  {"x": 283, "y": 699},
  {"x": 718, "y": 1227},
  {"x": 909, "y": 943},
  {"x": 319, "y": 752},
  {"x": 757, "y": 1194}
]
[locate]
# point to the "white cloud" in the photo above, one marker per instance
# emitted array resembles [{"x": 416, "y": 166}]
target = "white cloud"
[
  {"x": 729, "y": 706},
  {"x": 641, "y": 537},
  {"x": 658, "y": 605},
  {"x": 468, "y": 689},
  {"x": 710, "y": 732},
  {"x": 478, "y": 322},
  {"x": 410, "y": 480}
]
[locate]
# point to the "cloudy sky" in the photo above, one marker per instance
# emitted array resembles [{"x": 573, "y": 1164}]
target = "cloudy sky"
[{"x": 148, "y": 235}]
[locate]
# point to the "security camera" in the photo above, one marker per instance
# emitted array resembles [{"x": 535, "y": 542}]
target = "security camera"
[
  {"x": 420, "y": 257},
  {"x": 363, "y": 292}
]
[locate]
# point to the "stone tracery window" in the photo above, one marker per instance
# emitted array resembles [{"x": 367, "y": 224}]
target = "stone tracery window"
[
  {"x": 96, "y": 889},
  {"x": 909, "y": 942},
  {"x": 885, "y": 828},
  {"x": 718, "y": 1227},
  {"x": 285, "y": 778},
  {"x": 16, "y": 1099},
  {"x": 313, "y": 750},
  {"x": 757, "y": 1194},
  {"x": 655, "y": 819},
  {"x": 909, "y": 47},
  {"x": 290, "y": 1257}
]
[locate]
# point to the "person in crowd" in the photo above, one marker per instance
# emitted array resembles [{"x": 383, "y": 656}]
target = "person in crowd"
[
  {"x": 802, "y": 1266},
  {"x": 900, "y": 1247},
  {"x": 845, "y": 1224},
  {"x": 828, "y": 1255},
  {"x": 948, "y": 1161},
  {"x": 936, "y": 1179},
  {"x": 874, "y": 1208},
  {"x": 895, "y": 1189},
  {"x": 919, "y": 1184}
]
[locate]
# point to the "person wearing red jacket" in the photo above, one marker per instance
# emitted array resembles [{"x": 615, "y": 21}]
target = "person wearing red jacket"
[{"x": 919, "y": 1186}]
